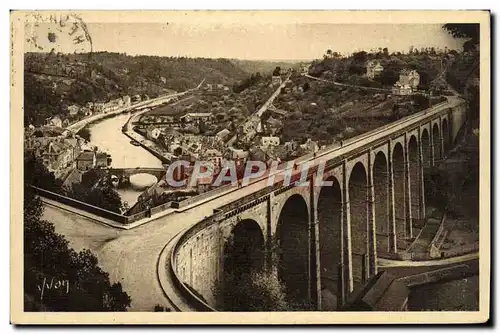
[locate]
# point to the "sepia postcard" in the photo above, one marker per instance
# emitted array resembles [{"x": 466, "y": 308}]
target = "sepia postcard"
[{"x": 250, "y": 167}]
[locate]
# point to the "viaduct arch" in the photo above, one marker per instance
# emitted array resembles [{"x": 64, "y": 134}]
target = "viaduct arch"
[{"x": 293, "y": 248}]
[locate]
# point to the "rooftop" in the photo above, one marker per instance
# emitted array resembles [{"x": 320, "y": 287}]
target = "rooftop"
[{"x": 86, "y": 156}]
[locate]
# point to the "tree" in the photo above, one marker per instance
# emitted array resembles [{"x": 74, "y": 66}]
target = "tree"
[
  {"x": 306, "y": 86},
  {"x": 328, "y": 54},
  {"x": 84, "y": 133},
  {"x": 36, "y": 174},
  {"x": 421, "y": 101},
  {"x": 464, "y": 30},
  {"x": 71, "y": 281},
  {"x": 388, "y": 77},
  {"x": 277, "y": 71},
  {"x": 101, "y": 195},
  {"x": 461, "y": 75},
  {"x": 395, "y": 114},
  {"x": 437, "y": 188},
  {"x": 105, "y": 197},
  {"x": 178, "y": 151},
  {"x": 425, "y": 80},
  {"x": 257, "y": 291},
  {"x": 161, "y": 308},
  {"x": 360, "y": 57}
]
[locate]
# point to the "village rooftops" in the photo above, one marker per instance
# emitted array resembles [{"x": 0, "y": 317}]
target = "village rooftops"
[
  {"x": 198, "y": 114},
  {"x": 280, "y": 111},
  {"x": 86, "y": 156},
  {"x": 171, "y": 132},
  {"x": 223, "y": 133},
  {"x": 101, "y": 155}
]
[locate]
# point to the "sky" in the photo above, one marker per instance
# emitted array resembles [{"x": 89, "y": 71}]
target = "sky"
[{"x": 281, "y": 41}]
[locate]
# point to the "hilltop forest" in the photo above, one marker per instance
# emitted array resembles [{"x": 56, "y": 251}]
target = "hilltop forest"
[{"x": 52, "y": 81}]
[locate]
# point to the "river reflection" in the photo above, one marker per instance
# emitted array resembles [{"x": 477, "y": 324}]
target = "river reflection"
[{"x": 107, "y": 136}]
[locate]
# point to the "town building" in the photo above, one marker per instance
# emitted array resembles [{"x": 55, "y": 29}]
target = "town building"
[
  {"x": 97, "y": 107},
  {"x": 171, "y": 137},
  {"x": 269, "y": 141},
  {"x": 57, "y": 154},
  {"x": 277, "y": 153},
  {"x": 73, "y": 110},
  {"x": 153, "y": 132},
  {"x": 399, "y": 89},
  {"x": 280, "y": 112},
  {"x": 407, "y": 84},
  {"x": 113, "y": 105},
  {"x": 127, "y": 100},
  {"x": 310, "y": 146},
  {"x": 373, "y": 69},
  {"x": 102, "y": 160},
  {"x": 205, "y": 117},
  {"x": 212, "y": 155},
  {"x": 236, "y": 154},
  {"x": 86, "y": 161},
  {"x": 223, "y": 134},
  {"x": 272, "y": 126},
  {"x": 290, "y": 147},
  {"x": 248, "y": 130},
  {"x": 409, "y": 78},
  {"x": 276, "y": 80}
]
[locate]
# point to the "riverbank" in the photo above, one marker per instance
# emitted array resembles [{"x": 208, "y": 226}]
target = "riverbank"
[
  {"x": 75, "y": 127},
  {"x": 163, "y": 155}
]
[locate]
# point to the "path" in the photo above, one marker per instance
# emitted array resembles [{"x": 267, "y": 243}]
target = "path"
[
  {"x": 262, "y": 109},
  {"x": 408, "y": 263},
  {"x": 348, "y": 85}
]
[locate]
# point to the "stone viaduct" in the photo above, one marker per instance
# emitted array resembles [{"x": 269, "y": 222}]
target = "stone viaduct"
[{"x": 323, "y": 242}]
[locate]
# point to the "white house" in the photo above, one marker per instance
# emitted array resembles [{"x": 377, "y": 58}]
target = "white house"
[
  {"x": 276, "y": 80},
  {"x": 126, "y": 100},
  {"x": 269, "y": 141},
  {"x": 73, "y": 109},
  {"x": 409, "y": 78},
  {"x": 153, "y": 132},
  {"x": 205, "y": 117},
  {"x": 222, "y": 134},
  {"x": 373, "y": 69},
  {"x": 55, "y": 121}
]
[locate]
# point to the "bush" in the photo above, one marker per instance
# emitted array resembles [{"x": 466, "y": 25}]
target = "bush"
[
  {"x": 257, "y": 291},
  {"x": 84, "y": 133},
  {"x": 72, "y": 281},
  {"x": 421, "y": 101},
  {"x": 161, "y": 308}
]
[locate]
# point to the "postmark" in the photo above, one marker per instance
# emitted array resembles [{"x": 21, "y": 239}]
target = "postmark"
[{"x": 57, "y": 33}]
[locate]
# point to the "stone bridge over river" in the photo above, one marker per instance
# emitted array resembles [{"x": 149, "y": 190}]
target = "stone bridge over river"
[
  {"x": 328, "y": 238},
  {"x": 125, "y": 173}
]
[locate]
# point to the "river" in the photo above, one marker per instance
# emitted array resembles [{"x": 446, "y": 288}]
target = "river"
[{"x": 108, "y": 137}]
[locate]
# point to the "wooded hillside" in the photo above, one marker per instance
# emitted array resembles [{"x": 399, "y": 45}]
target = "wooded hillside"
[{"x": 55, "y": 80}]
